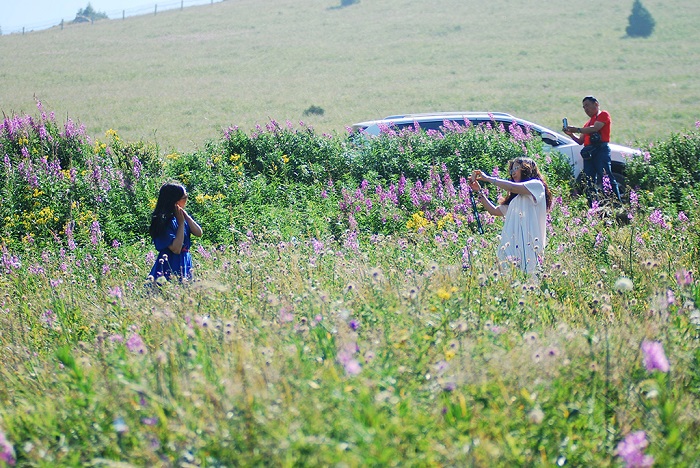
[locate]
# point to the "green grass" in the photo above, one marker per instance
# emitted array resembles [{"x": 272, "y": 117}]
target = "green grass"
[{"x": 179, "y": 77}]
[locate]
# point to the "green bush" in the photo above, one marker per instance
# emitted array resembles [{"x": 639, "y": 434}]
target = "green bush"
[
  {"x": 56, "y": 182},
  {"x": 671, "y": 166},
  {"x": 413, "y": 153}
]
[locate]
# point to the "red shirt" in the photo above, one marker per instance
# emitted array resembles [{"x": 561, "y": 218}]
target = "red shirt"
[{"x": 604, "y": 117}]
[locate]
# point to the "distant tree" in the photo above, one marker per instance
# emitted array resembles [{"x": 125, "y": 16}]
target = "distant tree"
[
  {"x": 89, "y": 14},
  {"x": 641, "y": 24}
]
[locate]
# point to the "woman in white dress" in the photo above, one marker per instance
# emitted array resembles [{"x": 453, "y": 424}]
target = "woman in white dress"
[{"x": 525, "y": 209}]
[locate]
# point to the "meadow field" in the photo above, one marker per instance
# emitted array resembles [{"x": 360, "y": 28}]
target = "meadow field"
[
  {"x": 178, "y": 78},
  {"x": 345, "y": 309}
]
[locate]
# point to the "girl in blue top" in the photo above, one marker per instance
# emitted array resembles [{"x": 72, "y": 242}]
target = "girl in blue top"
[{"x": 170, "y": 230}]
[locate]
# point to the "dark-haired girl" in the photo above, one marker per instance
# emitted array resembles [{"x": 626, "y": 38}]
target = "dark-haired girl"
[
  {"x": 170, "y": 230},
  {"x": 525, "y": 209}
]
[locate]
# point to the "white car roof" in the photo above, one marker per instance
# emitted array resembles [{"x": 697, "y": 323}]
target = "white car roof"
[{"x": 452, "y": 115}]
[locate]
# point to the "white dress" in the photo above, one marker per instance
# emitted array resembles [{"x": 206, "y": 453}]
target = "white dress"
[{"x": 525, "y": 228}]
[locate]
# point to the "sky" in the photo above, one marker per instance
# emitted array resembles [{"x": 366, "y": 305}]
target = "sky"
[{"x": 43, "y": 14}]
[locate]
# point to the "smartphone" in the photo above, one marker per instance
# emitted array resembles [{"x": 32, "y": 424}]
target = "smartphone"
[{"x": 564, "y": 122}]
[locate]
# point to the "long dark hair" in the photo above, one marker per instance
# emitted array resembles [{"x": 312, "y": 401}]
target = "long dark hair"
[
  {"x": 170, "y": 193},
  {"x": 528, "y": 171}
]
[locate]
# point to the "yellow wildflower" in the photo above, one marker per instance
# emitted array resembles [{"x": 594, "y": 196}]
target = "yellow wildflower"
[
  {"x": 418, "y": 221},
  {"x": 444, "y": 294},
  {"x": 448, "y": 218}
]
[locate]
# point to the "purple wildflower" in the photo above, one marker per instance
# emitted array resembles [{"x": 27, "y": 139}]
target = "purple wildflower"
[
  {"x": 48, "y": 318},
  {"x": 317, "y": 245},
  {"x": 137, "y": 167},
  {"x": 354, "y": 324},
  {"x": 657, "y": 217},
  {"x": 631, "y": 450},
  {"x": 7, "y": 451},
  {"x": 135, "y": 344},
  {"x": 9, "y": 262},
  {"x": 352, "y": 367},
  {"x": 599, "y": 238},
  {"x": 69, "y": 235},
  {"x": 670, "y": 297},
  {"x": 654, "y": 356},
  {"x": 634, "y": 199},
  {"x": 684, "y": 278},
  {"x": 117, "y": 338},
  {"x": 95, "y": 233},
  {"x": 286, "y": 314}
]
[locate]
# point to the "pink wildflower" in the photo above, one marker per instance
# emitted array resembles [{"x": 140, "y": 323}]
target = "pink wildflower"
[
  {"x": 135, "y": 344},
  {"x": 657, "y": 217},
  {"x": 7, "y": 451},
  {"x": 684, "y": 278},
  {"x": 654, "y": 356},
  {"x": 630, "y": 449},
  {"x": 352, "y": 367}
]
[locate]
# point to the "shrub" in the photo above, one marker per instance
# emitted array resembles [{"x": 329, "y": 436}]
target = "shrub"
[
  {"x": 56, "y": 181},
  {"x": 675, "y": 161},
  {"x": 413, "y": 152},
  {"x": 641, "y": 23},
  {"x": 314, "y": 110}
]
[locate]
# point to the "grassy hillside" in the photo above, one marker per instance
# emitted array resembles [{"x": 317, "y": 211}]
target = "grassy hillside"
[{"x": 180, "y": 76}]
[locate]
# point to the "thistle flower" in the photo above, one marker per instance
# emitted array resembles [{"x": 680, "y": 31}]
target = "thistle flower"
[{"x": 624, "y": 284}]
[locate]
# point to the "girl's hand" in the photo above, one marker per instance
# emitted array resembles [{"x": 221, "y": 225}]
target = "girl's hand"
[{"x": 179, "y": 215}]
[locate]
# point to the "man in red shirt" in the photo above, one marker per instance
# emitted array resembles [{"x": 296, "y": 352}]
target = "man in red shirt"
[{"x": 596, "y": 133}]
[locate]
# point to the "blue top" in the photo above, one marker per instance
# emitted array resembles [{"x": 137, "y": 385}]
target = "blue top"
[{"x": 180, "y": 264}]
